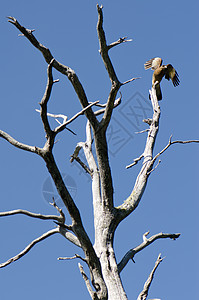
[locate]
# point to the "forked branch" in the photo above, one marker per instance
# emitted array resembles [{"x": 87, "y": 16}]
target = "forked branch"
[
  {"x": 60, "y": 68},
  {"x": 147, "y": 241},
  {"x": 172, "y": 143},
  {"x": 133, "y": 200}
]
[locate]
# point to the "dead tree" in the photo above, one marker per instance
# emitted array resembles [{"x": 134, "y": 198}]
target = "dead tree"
[{"x": 104, "y": 280}]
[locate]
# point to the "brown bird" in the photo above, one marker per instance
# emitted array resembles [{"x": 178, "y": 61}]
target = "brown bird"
[{"x": 159, "y": 72}]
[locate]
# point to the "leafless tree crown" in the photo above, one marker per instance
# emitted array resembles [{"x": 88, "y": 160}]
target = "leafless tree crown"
[{"x": 104, "y": 280}]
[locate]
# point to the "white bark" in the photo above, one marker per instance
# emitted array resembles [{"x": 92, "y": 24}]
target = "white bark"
[{"x": 105, "y": 282}]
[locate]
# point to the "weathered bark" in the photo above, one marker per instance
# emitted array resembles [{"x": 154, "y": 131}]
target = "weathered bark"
[{"x": 104, "y": 270}]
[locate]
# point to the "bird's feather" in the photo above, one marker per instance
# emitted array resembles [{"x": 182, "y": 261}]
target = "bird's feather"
[
  {"x": 170, "y": 72},
  {"x": 153, "y": 63}
]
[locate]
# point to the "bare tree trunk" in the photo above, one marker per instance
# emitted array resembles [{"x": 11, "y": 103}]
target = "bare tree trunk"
[{"x": 105, "y": 282}]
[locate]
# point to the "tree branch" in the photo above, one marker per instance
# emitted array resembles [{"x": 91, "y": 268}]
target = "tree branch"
[
  {"x": 32, "y": 215},
  {"x": 132, "y": 252},
  {"x": 130, "y": 80},
  {"x": 73, "y": 257},
  {"x": 104, "y": 48},
  {"x": 118, "y": 42},
  {"x": 77, "y": 226},
  {"x": 115, "y": 84},
  {"x": 135, "y": 161},
  {"x": 116, "y": 103},
  {"x": 17, "y": 144},
  {"x": 60, "y": 68},
  {"x": 29, "y": 247},
  {"x": 87, "y": 282},
  {"x": 46, "y": 154},
  {"x": 60, "y": 211},
  {"x": 133, "y": 200},
  {"x": 63, "y": 126},
  {"x": 69, "y": 236},
  {"x": 100, "y": 134},
  {"x": 83, "y": 165},
  {"x": 58, "y": 116},
  {"x": 172, "y": 143},
  {"x": 44, "y": 102},
  {"x": 143, "y": 295}
]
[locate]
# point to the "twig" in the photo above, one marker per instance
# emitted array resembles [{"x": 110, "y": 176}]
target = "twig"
[
  {"x": 172, "y": 143},
  {"x": 116, "y": 103},
  {"x": 83, "y": 165},
  {"x": 45, "y": 100},
  {"x": 143, "y": 295},
  {"x": 60, "y": 68},
  {"x": 118, "y": 42},
  {"x": 148, "y": 121},
  {"x": 87, "y": 282},
  {"x": 146, "y": 130},
  {"x": 76, "y": 152},
  {"x": 58, "y": 116},
  {"x": 30, "y": 214},
  {"x": 74, "y": 156},
  {"x": 62, "y": 215},
  {"x": 159, "y": 161},
  {"x": 130, "y": 80},
  {"x": 132, "y": 252},
  {"x": 17, "y": 144},
  {"x": 135, "y": 161},
  {"x": 55, "y": 116},
  {"x": 73, "y": 257},
  {"x": 29, "y": 247},
  {"x": 145, "y": 236},
  {"x": 63, "y": 126}
]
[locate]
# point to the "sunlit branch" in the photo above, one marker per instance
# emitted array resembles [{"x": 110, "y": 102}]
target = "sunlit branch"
[
  {"x": 118, "y": 42},
  {"x": 143, "y": 295},
  {"x": 87, "y": 282},
  {"x": 63, "y": 126},
  {"x": 132, "y": 252},
  {"x": 60, "y": 68},
  {"x": 29, "y": 247},
  {"x": 30, "y": 214},
  {"x": 172, "y": 143},
  {"x": 17, "y": 144}
]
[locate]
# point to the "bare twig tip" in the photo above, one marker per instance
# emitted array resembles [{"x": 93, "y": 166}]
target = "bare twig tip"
[
  {"x": 11, "y": 19},
  {"x": 99, "y": 6}
]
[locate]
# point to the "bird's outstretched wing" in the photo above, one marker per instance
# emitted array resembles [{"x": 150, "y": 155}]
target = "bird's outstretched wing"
[
  {"x": 153, "y": 63},
  {"x": 170, "y": 72}
]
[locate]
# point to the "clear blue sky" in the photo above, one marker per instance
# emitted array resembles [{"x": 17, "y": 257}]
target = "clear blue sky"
[{"x": 170, "y": 203}]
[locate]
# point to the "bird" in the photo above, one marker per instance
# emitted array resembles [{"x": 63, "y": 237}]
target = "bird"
[{"x": 161, "y": 71}]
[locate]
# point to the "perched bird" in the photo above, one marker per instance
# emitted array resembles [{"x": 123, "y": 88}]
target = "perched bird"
[{"x": 159, "y": 72}]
